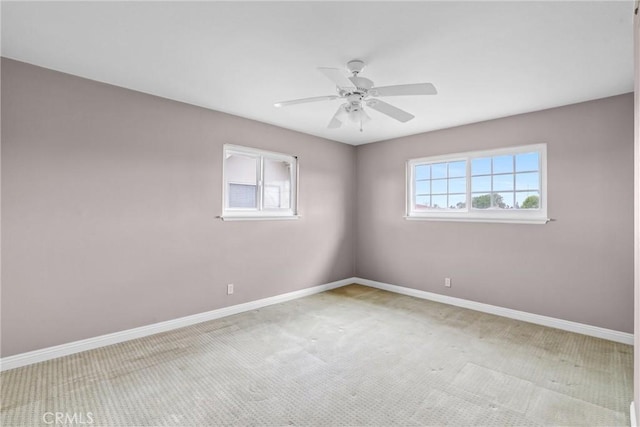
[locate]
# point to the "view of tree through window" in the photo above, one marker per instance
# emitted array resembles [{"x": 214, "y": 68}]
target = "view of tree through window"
[{"x": 504, "y": 184}]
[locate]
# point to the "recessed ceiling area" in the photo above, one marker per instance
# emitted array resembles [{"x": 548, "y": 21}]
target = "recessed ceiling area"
[{"x": 486, "y": 59}]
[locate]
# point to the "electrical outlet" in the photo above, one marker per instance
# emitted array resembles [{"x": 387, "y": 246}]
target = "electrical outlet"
[
  {"x": 447, "y": 282},
  {"x": 230, "y": 289}
]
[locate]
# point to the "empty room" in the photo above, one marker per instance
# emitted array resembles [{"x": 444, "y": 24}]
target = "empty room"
[{"x": 329, "y": 213}]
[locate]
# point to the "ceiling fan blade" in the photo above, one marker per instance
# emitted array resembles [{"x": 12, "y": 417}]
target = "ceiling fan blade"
[
  {"x": 390, "y": 110},
  {"x": 337, "y": 76},
  {"x": 400, "y": 90},
  {"x": 305, "y": 100},
  {"x": 335, "y": 120}
]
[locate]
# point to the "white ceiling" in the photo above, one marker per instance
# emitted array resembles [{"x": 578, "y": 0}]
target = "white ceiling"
[{"x": 487, "y": 59}]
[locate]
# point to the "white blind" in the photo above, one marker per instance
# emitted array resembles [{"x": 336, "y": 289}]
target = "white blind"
[{"x": 242, "y": 196}]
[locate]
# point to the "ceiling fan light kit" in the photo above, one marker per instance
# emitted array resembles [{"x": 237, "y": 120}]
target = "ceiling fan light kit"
[{"x": 356, "y": 91}]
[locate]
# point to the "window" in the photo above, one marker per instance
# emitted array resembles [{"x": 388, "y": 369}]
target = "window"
[
  {"x": 258, "y": 184},
  {"x": 504, "y": 185}
]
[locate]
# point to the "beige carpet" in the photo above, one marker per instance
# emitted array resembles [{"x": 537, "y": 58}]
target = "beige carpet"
[{"x": 352, "y": 356}]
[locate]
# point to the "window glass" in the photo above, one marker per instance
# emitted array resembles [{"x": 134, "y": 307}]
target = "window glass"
[
  {"x": 423, "y": 187},
  {"x": 527, "y": 181},
  {"x": 457, "y": 185},
  {"x": 481, "y": 201},
  {"x": 243, "y": 196},
  {"x": 481, "y": 166},
  {"x": 241, "y": 174},
  {"x": 504, "y": 200},
  {"x": 423, "y": 202},
  {"x": 528, "y": 200},
  {"x": 502, "y": 164},
  {"x": 423, "y": 172},
  {"x": 481, "y": 183},
  {"x": 527, "y": 162},
  {"x": 457, "y": 169},
  {"x": 439, "y": 170},
  {"x": 439, "y": 201},
  {"x": 457, "y": 201},
  {"x": 440, "y": 186},
  {"x": 277, "y": 184},
  {"x": 503, "y": 182}
]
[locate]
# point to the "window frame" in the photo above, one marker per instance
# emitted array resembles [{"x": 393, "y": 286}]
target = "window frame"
[
  {"x": 260, "y": 212},
  {"x": 518, "y": 216}
]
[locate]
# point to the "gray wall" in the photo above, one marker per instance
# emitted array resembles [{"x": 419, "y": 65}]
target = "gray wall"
[
  {"x": 109, "y": 199},
  {"x": 578, "y": 268}
]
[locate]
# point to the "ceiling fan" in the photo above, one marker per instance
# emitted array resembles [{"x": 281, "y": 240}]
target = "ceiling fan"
[{"x": 359, "y": 91}]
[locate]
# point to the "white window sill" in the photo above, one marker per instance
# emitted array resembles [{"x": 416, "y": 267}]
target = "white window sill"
[
  {"x": 258, "y": 218},
  {"x": 539, "y": 221}
]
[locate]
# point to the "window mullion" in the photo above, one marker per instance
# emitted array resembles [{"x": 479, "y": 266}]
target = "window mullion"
[
  {"x": 491, "y": 188},
  {"x": 411, "y": 205},
  {"x": 431, "y": 186},
  {"x": 468, "y": 176},
  {"x": 260, "y": 183},
  {"x": 447, "y": 196},
  {"x": 514, "y": 181},
  {"x": 414, "y": 187},
  {"x": 293, "y": 188}
]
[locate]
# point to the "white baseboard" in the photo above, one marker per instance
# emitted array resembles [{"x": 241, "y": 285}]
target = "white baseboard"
[
  {"x": 566, "y": 325},
  {"x": 632, "y": 415},
  {"x": 23, "y": 359}
]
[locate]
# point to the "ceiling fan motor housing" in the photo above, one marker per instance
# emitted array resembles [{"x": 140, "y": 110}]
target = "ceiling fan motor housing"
[
  {"x": 355, "y": 101},
  {"x": 361, "y": 89}
]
